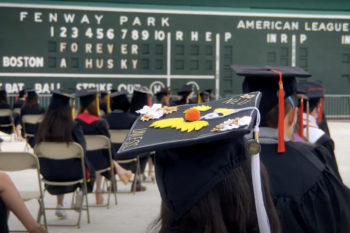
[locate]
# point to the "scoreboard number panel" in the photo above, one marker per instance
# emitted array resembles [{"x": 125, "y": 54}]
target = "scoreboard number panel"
[{"x": 73, "y": 47}]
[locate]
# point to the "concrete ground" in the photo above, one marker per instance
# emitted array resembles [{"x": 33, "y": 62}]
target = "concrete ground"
[{"x": 134, "y": 213}]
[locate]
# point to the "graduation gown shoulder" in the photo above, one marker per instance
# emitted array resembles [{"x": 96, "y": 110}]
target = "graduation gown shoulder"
[
  {"x": 92, "y": 125},
  {"x": 308, "y": 196}
]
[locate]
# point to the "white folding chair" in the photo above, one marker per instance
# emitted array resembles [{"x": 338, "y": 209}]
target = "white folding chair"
[
  {"x": 30, "y": 119},
  {"x": 100, "y": 142},
  {"x": 118, "y": 136},
  {"x": 19, "y": 161},
  {"x": 61, "y": 151},
  {"x": 6, "y": 112}
]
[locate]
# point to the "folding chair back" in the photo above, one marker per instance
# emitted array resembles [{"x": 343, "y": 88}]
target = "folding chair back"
[
  {"x": 61, "y": 151},
  {"x": 30, "y": 119},
  {"x": 118, "y": 136},
  {"x": 17, "y": 110},
  {"x": 100, "y": 142},
  {"x": 19, "y": 161}
]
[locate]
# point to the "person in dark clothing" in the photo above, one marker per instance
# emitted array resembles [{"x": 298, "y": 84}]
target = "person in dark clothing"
[
  {"x": 119, "y": 118},
  {"x": 308, "y": 195},
  {"x": 311, "y": 132},
  {"x": 31, "y": 107},
  {"x": 140, "y": 98},
  {"x": 104, "y": 103},
  {"x": 17, "y": 105},
  {"x": 5, "y": 120},
  {"x": 163, "y": 97},
  {"x": 185, "y": 95},
  {"x": 207, "y": 179},
  {"x": 58, "y": 126},
  {"x": 91, "y": 124}
]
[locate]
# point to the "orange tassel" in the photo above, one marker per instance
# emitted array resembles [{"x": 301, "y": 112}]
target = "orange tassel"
[
  {"x": 321, "y": 112},
  {"x": 281, "y": 146},
  {"x": 149, "y": 102},
  {"x": 301, "y": 120}
]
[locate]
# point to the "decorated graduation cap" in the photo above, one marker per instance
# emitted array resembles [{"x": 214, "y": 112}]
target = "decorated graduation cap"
[
  {"x": 86, "y": 96},
  {"x": 163, "y": 92},
  {"x": 197, "y": 146},
  {"x": 120, "y": 100},
  {"x": 276, "y": 84},
  {"x": 140, "y": 97}
]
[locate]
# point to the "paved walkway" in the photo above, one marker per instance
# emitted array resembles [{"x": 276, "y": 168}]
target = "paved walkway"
[{"x": 134, "y": 213}]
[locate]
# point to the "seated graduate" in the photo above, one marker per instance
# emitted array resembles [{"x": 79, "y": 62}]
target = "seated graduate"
[
  {"x": 5, "y": 119},
  {"x": 163, "y": 97},
  {"x": 22, "y": 94},
  {"x": 185, "y": 95},
  {"x": 104, "y": 103},
  {"x": 204, "y": 96},
  {"x": 58, "y": 126},
  {"x": 307, "y": 124},
  {"x": 120, "y": 118},
  {"x": 91, "y": 124},
  {"x": 207, "y": 180},
  {"x": 308, "y": 195},
  {"x": 31, "y": 106},
  {"x": 140, "y": 98}
]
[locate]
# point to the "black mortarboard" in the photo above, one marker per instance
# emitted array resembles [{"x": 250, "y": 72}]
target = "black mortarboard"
[
  {"x": 31, "y": 93},
  {"x": 120, "y": 100},
  {"x": 59, "y": 98},
  {"x": 186, "y": 89},
  {"x": 140, "y": 98},
  {"x": 86, "y": 96},
  {"x": 315, "y": 92},
  {"x": 163, "y": 92},
  {"x": 194, "y": 152},
  {"x": 275, "y": 83}
]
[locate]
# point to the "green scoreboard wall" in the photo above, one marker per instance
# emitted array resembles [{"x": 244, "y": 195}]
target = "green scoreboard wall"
[{"x": 73, "y": 47}]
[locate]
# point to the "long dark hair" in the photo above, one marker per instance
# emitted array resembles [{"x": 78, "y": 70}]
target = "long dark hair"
[
  {"x": 92, "y": 109},
  {"x": 30, "y": 101},
  {"x": 228, "y": 207},
  {"x": 56, "y": 125}
]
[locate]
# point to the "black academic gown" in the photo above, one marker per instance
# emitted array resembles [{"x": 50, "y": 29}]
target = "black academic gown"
[
  {"x": 6, "y": 120},
  {"x": 123, "y": 120},
  {"x": 308, "y": 195},
  {"x": 68, "y": 169},
  {"x": 3, "y": 217},
  {"x": 32, "y": 128},
  {"x": 16, "y": 116},
  {"x": 92, "y": 125}
]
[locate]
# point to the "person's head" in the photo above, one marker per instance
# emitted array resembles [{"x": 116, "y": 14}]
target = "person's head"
[
  {"x": 3, "y": 96},
  {"x": 140, "y": 98},
  {"x": 186, "y": 92},
  {"x": 315, "y": 93},
  {"x": 22, "y": 94},
  {"x": 120, "y": 101},
  {"x": 32, "y": 99},
  {"x": 203, "y": 168},
  {"x": 88, "y": 101},
  {"x": 278, "y": 106},
  {"x": 205, "y": 96},
  {"x": 163, "y": 96},
  {"x": 57, "y": 123}
]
